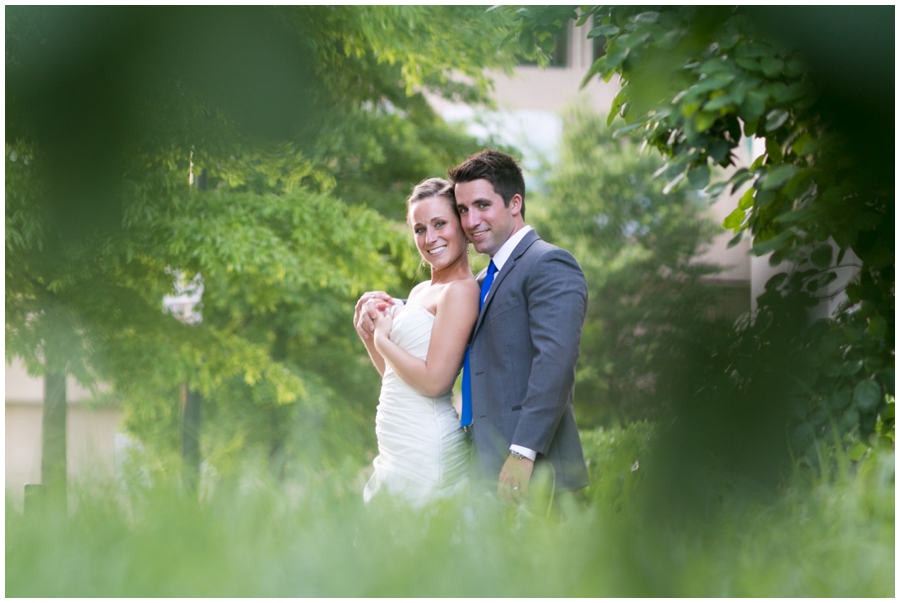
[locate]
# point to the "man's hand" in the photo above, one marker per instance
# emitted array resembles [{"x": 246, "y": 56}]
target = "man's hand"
[
  {"x": 514, "y": 477},
  {"x": 366, "y": 312}
]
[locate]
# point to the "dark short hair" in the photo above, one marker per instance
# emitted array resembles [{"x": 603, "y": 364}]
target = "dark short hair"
[
  {"x": 431, "y": 187},
  {"x": 498, "y": 168}
]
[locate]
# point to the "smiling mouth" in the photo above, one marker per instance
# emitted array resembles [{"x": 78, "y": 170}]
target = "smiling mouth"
[
  {"x": 437, "y": 250},
  {"x": 478, "y": 234}
]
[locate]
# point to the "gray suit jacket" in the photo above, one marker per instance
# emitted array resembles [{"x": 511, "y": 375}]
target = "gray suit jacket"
[{"x": 523, "y": 352}]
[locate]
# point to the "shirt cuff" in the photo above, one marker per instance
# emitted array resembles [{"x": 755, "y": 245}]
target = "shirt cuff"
[{"x": 526, "y": 452}]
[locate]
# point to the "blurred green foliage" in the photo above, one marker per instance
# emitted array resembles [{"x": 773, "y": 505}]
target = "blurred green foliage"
[
  {"x": 639, "y": 251},
  {"x": 303, "y": 127},
  {"x": 313, "y": 538},
  {"x": 695, "y": 81}
]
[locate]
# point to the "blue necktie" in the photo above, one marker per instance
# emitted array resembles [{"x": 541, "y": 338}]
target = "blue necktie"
[{"x": 466, "y": 414}]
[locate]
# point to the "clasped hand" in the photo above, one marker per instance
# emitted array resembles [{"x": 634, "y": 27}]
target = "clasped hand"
[
  {"x": 384, "y": 319},
  {"x": 369, "y": 307}
]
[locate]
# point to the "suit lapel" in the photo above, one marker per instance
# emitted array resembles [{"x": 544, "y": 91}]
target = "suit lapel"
[{"x": 501, "y": 276}]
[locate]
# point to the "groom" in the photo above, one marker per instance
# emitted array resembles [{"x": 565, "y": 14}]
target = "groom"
[{"x": 526, "y": 340}]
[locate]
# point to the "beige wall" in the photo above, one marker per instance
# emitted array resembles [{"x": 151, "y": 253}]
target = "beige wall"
[{"x": 90, "y": 433}]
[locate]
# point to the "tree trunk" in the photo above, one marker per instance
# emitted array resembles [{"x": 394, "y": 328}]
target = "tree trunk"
[
  {"x": 53, "y": 436},
  {"x": 190, "y": 437},
  {"x": 191, "y": 403}
]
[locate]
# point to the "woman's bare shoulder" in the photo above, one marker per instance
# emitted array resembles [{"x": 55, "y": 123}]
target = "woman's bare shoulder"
[
  {"x": 419, "y": 288},
  {"x": 462, "y": 290}
]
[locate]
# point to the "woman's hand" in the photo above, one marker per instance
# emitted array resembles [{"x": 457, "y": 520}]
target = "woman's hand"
[
  {"x": 383, "y": 321},
  {"x": 363, "y": 320}
]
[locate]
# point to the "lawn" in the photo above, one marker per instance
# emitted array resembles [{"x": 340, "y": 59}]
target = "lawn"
[{"x": 814, "y": 537}]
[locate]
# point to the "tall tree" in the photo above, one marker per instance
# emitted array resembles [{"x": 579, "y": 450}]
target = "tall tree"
[
  {"x": 300, "y": 119},
  {"x": 638, "y": 248}
]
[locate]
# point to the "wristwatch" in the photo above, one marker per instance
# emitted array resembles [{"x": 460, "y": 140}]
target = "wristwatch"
[{"x": 518, "y": 455}]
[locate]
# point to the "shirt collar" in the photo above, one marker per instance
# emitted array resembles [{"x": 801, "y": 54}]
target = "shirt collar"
[{"x": 507, "y": 248}]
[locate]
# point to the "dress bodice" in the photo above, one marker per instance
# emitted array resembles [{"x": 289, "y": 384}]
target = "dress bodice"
[
  {"x": 422, "y": 452},
  {"x": 411, "y": 331}
]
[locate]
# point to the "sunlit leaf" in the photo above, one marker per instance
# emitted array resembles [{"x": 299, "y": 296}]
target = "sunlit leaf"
[
  {"x": 775, "y": 119},
  {"x": 857, "y": 452},
  {"x": 734, "y": 219}
]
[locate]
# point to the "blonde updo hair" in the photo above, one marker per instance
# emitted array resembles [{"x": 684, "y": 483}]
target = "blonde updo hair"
[{"x": 428, "y": 188}]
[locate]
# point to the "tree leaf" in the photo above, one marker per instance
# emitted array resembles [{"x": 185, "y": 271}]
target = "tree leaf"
[
  {"x": 714, "y": 65},
  {"x": 776, "y": 177},
  {"x": 749, "y": 64},
  {"x": 734, "y": 219},
  {"x": 840, "y": 399},
  {"x": 699, "y": 176},
  {"x": 771, "y": 66},
  {"x": 751, "y": 127},
  {"x": 738, "y": 178},
  {"x": 715, "y": 81},
  {"x": 867, "y": 395},
  {"x": 598, "y": 67},
  {"x": 821, "y": 256},
  {"x": 673, "y": 184},
  {"x": 716, "y": 190},
  {"x": 645, "y": 18},
  {"x": 527, "y": 43},
  {"x": 704, "y": 120},
  {"x": 877, "y": 326},
  {"x": 767, "y": 246},
  {"x": 773, "y": 151},
  {"x": 689, "y": 108},
  {"x": 620, "y": 99},
  {"x": 547, "y": 43},
  {"x": 616, "y": 57},
  {"x": 604, "y": 30},
  {"x": 719, "y": 150},
  {"x": 775, "y": 119},
  {"x": 720, "y": 101},
  {"x": 857, "y": 452},
  {"x": 619, "y": 133},
  {"x": 746, "y": 201}
]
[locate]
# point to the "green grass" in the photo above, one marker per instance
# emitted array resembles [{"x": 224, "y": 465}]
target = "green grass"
[{"x": 313, "y": 538}]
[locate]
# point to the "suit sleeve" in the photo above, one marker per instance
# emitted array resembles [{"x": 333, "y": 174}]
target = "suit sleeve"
[{"x": 556, "y": 293}]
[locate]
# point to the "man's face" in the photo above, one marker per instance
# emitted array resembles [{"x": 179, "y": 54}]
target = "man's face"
[{"x": 486, "y": 221}]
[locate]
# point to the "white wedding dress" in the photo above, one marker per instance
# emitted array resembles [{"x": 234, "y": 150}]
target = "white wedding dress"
[{"x": 423, "y": 453}]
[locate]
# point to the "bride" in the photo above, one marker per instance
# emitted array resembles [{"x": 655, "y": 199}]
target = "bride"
[{"x": 418, "y": 349}]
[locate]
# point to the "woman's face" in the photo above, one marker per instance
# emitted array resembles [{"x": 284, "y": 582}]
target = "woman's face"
[{"x": 438, "y": 233}]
